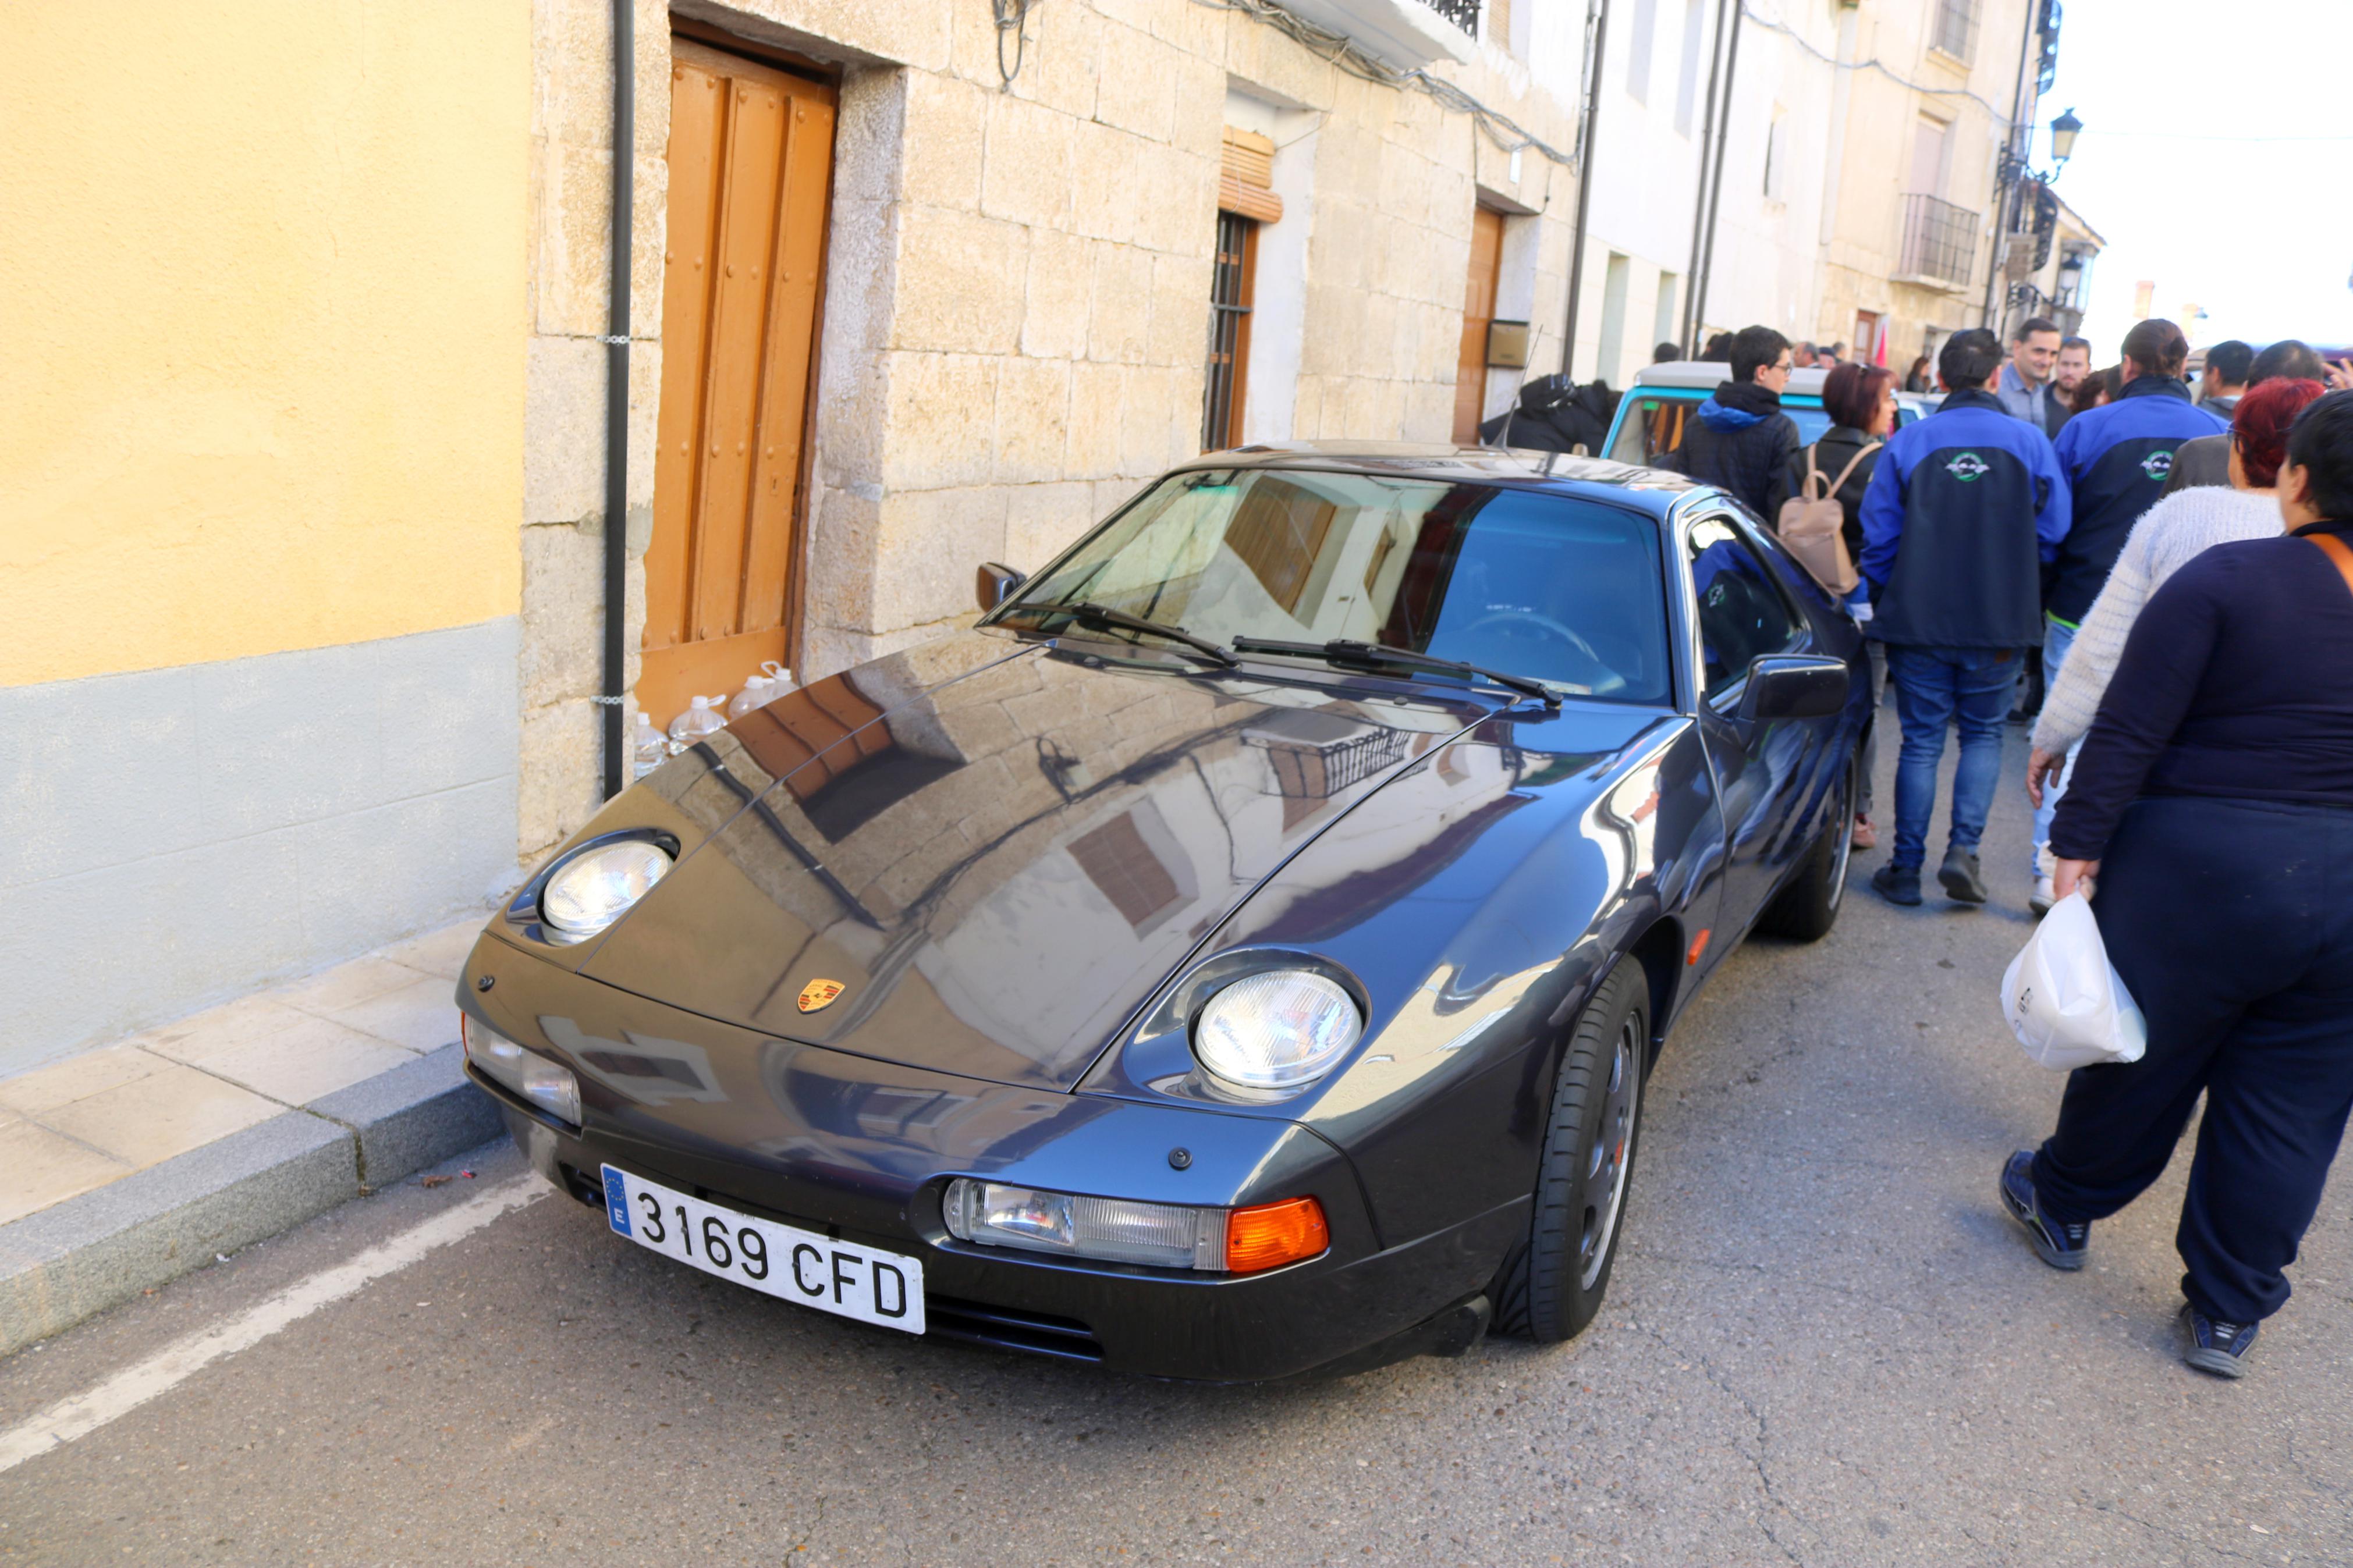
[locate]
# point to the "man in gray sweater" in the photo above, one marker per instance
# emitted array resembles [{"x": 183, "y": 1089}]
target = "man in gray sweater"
[{"x": 2206, "y": 459}]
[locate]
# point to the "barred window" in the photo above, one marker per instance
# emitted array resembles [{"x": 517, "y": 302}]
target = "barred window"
[
  {"x": 1230, "y": 312},
  {"x": 1955, "y": 28}
]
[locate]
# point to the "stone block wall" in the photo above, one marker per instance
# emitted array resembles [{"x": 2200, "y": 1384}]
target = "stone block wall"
[
  {"x": 568, "y": 259},
  {"x": 1016, "y": 305}
]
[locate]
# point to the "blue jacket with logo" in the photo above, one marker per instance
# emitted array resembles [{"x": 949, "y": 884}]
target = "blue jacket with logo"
[
  {"x": 2117, "y": 457},
  {"x": 1964, "y": 507}
]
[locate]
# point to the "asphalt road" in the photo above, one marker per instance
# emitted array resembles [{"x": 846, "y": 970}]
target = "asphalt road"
[{"x": 1824, "y": 1345}]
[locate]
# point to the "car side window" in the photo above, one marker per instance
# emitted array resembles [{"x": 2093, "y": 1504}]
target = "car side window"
[{"x": 1742, "y": 613}]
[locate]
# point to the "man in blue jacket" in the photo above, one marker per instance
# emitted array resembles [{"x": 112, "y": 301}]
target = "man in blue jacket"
[
  {"x": 1963, "y": 509},
  {"x": 2117, "y": 457}
]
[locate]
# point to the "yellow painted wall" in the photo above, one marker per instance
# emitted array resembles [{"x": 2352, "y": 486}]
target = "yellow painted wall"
[{"x": 262, "y": 303}]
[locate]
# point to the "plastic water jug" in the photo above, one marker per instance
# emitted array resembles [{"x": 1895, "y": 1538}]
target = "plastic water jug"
[
  {"x": 648, "y": 747},
  {"x": 771, "y": 682},
  {"x": 703, "y": 719}
]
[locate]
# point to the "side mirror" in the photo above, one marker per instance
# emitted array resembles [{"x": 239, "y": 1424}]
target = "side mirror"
[
  {"x": 1801, "y": 687},
  {"x": 995, "y": 583}
]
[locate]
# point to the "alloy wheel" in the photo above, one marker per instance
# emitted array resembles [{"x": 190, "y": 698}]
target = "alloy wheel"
[{"x": 1610, "y": 1158}]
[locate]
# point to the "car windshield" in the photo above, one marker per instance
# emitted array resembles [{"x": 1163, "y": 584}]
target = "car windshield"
[
  {"x": 1566, "y": 591},
  {"x": 1650, "y": 428}
]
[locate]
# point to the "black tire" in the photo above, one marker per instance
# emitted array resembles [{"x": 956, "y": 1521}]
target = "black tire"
[
  {"x": 1552, "y": 1286},
  {"x": 1807, "y": 906}
]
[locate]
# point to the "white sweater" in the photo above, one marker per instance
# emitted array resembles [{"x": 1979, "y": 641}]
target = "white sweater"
[{"x": 2175, "y": 529}]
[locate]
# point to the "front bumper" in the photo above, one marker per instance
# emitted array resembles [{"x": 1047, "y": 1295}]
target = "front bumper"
[{"x": 863, "y": 1150}]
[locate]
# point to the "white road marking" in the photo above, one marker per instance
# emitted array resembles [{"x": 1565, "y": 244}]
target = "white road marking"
[{"x": 133, "y": 1386}]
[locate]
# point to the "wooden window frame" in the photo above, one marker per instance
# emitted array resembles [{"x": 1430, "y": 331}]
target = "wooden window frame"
[{"x": 1233, "y": 285}]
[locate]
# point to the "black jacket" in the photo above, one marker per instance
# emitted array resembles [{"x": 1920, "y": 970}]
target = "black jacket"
[
  {"x": 1740, "y": 441},
  {"x": 1554, "y": 416},
  {"x": 1837, "y": 448}
]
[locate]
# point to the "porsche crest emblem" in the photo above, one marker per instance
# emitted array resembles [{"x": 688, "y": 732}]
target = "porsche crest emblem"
[{"x": 819, "y": 993}]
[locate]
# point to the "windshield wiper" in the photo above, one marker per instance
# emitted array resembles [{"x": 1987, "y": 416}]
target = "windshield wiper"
[
  {"x": 1092, "y": 614},
  {"x": 1342, "y": 651}
]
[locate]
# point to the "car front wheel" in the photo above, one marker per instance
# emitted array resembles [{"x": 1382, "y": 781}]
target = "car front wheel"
[{"x": 1553, "y": 1287}]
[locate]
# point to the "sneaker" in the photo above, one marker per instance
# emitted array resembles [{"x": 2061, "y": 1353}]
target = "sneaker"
[
  {"x": 2216, "y": 1346},
  {"x": 1866, "y": 836},
  {"x": 1961, "y": 877},
  {"x": 2045, "y": 894},
  {"x": 1897, "y": 884},
  {"x": 2060, "y": 1246}
]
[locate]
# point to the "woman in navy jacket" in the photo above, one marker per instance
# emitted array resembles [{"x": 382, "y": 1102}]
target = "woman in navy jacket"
[{"x": 2214, "y": 799}]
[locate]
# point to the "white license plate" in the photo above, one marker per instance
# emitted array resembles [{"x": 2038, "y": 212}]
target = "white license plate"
[{"x": 841, "y": 1277}]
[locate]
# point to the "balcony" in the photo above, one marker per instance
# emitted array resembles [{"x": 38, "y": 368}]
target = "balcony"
[
  {"x": 1402, "y": 33},
  {"x": 1939, "y": 245}
]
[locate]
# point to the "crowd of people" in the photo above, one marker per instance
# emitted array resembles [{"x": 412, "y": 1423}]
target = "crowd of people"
[{"x": 2178, "y": 563}]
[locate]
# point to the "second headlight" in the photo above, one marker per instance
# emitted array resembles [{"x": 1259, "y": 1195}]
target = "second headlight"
[{"x": 1278, "y": 1030}]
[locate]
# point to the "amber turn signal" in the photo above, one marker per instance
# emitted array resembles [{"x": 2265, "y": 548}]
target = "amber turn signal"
[{"x": 1269, "y": 1235}]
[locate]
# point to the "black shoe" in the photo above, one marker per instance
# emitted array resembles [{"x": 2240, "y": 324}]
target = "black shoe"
[
  {"x": 2220, "y": 1348},
  {"x": 1959, "y": 874},
  {"x": 1897, "y": 884},
  {"x": 2060, "y": 1246}
]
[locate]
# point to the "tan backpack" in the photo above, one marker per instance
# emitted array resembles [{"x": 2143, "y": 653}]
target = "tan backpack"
[{"x": 1813, "y": 526}]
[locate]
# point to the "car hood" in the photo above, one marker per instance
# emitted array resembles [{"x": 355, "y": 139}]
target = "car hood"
[{"x": 981, "y": 864}]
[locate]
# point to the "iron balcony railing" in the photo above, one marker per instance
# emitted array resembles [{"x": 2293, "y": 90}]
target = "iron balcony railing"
[
  {"x": 1940, "y": 240},
  {"x": 1464, "y": 14}
]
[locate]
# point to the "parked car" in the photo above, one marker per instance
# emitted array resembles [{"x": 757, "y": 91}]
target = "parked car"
[
  {"x": 1652, "y": 414},
  {"x": 1240, "y": 955}
]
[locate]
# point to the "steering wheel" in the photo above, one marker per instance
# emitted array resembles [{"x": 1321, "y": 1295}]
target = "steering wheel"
[{"x": 1506, "y": 616}]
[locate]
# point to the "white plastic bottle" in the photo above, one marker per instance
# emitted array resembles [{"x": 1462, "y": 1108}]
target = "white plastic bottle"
[
  {"x": 703, "y": 719},
  {"x": 771, "y": 682},
  {"x": 649, "y": 748}
]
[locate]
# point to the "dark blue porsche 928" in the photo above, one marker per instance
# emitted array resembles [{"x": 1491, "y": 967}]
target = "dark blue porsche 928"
[{"x": 1238, "y": 955}]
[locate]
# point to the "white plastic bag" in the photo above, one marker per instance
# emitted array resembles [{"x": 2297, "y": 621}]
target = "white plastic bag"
[{"x": 2064, "y": 1000}]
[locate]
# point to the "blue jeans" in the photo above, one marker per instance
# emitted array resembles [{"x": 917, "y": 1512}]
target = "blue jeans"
[
  {"x": 1936, "y": 687},
  {"x": 2057, "y": 638}
]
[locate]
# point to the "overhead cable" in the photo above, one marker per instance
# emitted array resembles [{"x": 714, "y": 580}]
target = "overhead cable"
[{"x": 1873, "y": 64}]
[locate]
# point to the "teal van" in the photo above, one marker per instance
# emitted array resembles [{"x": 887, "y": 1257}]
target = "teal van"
[{"x": 1652, "y": 415}]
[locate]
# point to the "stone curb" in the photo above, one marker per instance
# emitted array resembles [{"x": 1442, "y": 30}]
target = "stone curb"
[{"x": 76, "y": 1259}]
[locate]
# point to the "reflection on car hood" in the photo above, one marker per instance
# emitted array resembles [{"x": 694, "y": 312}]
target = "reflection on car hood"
[{"x": 996, "y": 860}]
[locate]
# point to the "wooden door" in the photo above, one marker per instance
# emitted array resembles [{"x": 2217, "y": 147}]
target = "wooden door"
[
  {"x": 750, "y": 156},
  {"x": 1478, "y": 310}
]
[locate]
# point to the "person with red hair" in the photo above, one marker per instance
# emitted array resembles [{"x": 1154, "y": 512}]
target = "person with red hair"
[
  {"x": 1860, "y": 402},
  {"x": 2175, "y": 529}
]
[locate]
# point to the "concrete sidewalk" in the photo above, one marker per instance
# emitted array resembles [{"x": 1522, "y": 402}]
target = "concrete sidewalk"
[{"x": 133, "y": 1163}]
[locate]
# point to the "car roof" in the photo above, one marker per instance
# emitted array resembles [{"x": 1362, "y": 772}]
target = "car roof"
[
  {"x": 1708, "y": 374},
  {"x": 1654, "y": 491}
]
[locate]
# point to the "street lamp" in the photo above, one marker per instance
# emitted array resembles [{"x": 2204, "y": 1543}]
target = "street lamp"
[{"x": 2063, "y": 131}]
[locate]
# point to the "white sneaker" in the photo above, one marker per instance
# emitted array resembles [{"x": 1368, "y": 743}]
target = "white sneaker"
[{"x": 2046, "y": 867}]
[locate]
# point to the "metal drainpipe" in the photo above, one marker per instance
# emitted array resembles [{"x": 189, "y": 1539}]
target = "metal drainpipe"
[
  {"x": 1708, "y": 134},
  {"x": 2005, "y": 199},
  {"x": 1715, "y": 183},
  {"x": 615, "y": 699},
  {"x": 1584, "y": 183}
]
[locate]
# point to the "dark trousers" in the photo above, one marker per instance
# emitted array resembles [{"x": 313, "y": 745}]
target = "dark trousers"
[{"x": 2231, "y": 924}]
